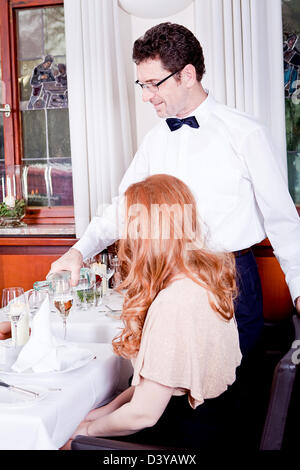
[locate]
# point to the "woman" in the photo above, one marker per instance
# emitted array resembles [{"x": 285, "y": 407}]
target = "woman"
[{"x": 179, "y": 328}]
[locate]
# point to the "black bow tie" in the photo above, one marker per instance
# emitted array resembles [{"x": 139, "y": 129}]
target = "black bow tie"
[{"x": 175, "y": 123}]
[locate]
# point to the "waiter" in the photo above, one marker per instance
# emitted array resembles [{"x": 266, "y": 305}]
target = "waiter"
[{"x": 226, "y": 158}]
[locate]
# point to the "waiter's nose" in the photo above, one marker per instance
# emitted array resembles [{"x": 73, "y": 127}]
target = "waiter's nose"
[{"x": 147, "y": 94}]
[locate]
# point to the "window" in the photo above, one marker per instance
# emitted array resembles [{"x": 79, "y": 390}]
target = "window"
[
  {"x": 34, "y": 84},
  {"x": 291, "y": 54}
]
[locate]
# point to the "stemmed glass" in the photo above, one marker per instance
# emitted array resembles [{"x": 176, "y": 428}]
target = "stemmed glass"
[
  {"x": 110, "y": 271},
  {"x": 62, "y": 295},
  {"x": 117, "y": 279},
  {"x": 15, "y": 305},
  {"x": 106, "y": 258},
  {"x": 35, "y": 299}
]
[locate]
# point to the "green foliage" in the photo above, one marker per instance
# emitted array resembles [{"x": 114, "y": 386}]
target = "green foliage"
[
  {"x": 86, "y": 295},
  {"x": 13, "y": 212}
]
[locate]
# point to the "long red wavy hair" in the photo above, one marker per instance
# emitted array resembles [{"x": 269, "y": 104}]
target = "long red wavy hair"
[{"x": 162, "y": 238}]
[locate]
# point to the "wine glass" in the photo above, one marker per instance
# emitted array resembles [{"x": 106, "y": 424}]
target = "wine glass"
[
  {"x": 62, "y": 296},
  {"x": 110, "y": 270},
  {"x": 116, "y": 266},
  {"x": 106, "y": 259},
  {"x": 35, "y": 299},
  {"x": 99, "y": 292},
  {"x": 15, "y": 305}
]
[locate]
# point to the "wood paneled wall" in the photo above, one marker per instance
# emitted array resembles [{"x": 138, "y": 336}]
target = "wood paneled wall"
[
  {"x": 276, "y": 296},
  {"x": 26, "y": 260}
]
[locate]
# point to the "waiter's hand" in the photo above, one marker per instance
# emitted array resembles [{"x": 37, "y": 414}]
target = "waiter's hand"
[
  {"x": 70, "y": 261},
  {"x": 5, "y": 330},
  {"x": 297, "y": 303}
]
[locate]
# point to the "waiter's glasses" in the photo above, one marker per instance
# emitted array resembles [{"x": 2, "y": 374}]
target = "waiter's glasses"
[{"x": 153, "y": 87}]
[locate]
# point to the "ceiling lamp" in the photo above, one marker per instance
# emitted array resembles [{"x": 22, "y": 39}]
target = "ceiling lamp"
[{"x": 153, "y": 8}]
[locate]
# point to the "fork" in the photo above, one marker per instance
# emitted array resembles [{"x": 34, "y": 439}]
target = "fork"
[{"x": 18, "y": 389}]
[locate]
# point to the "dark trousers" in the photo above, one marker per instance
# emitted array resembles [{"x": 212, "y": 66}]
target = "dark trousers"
[
  {"x": 248, "y": 304},
  {"x": 249, "y": 316}
]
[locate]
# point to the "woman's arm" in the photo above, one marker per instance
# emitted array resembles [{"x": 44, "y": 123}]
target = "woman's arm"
[
  {"x": 120, "y": 400},
  {"x": 148, "y": 403}
]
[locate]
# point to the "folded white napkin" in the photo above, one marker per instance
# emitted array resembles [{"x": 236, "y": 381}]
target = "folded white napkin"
[{"x": 45, "y": 353}]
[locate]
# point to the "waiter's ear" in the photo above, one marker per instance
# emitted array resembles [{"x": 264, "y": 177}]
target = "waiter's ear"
[{"x": 188, "y": 75}]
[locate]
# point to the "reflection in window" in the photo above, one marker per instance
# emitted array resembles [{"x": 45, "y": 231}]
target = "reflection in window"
[
  {"x": 48, "y": 185},
  {"x": 291, "y": 55},
  {"x": 44, "y": 106},
  {"x": 1, "y": 124}
]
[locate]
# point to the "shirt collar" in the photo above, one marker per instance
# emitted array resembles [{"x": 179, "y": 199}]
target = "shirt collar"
[{"x": 204, "y": 109}]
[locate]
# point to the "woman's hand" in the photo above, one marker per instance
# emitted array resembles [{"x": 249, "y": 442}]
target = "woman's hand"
[
  {"x": 67, "y": 445},
  {"x": 81, "y": 430},
  {"x": 5, "y": 330}
]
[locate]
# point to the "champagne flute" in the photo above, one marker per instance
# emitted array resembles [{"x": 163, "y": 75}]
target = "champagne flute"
[
  {"x": 62, "y": 299},
  {"x": 111, "y": 268},
  {"x": 15, "y": 305},
  {"x": 105, "y": 259},
  {"x": 116, "y": 265}
]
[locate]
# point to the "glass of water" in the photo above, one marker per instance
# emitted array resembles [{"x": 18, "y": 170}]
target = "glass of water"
[{"x": 14, "y": 303}]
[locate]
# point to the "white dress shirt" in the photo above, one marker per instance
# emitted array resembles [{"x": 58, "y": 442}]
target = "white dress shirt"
[{"x": 229, "y": 163}]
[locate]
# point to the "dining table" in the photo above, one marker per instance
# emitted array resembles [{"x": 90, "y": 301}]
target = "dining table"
[{"x": 47, "y": 421}]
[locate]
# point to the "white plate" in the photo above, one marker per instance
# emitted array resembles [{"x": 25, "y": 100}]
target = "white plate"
[
  {"x": 30, "y": 372},
  {"x": 11, "y": 399}
]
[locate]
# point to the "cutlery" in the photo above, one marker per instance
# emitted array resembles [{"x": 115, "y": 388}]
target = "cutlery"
[
  {"x": 18, "y": 389},
  {"x": 112, "y": 310}
]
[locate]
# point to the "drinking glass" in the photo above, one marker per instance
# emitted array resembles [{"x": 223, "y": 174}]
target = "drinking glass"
[
  {"x": 62, "y": 295},
  {"x": 99, "y": 292},
  {"x": 14, "y": 303},
  {"x": 106, "y": 258},
  {"x": 116, "y": 266},
  {"x": 85, "y": 294},
  {"x": 35, "y": 299},
  {"x": 12, "y": 196}
]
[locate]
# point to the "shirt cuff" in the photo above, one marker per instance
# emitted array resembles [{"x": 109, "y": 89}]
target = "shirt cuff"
[
  {"x": 294, "y": 287},
  {"x": 84, "y": 249}
]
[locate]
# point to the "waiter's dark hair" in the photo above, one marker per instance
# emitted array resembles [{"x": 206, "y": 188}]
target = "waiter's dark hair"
[{"x": 173, "y": 44}]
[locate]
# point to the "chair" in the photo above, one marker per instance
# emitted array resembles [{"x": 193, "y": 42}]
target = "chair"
[
  {"x": 281, "y": 393},
  {"x": 98, "y": 443},
  {"x": 275, "y": 393}
]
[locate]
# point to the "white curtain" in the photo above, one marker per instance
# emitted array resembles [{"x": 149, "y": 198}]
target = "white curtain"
[
  {"x": 101, "y": 142},
  {"x": 243, "y": 50}
]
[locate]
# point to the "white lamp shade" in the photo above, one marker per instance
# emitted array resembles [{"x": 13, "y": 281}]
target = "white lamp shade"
[{"x": 153, "y": 8}]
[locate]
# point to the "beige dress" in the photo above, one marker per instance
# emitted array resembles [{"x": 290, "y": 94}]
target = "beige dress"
[{"x": 187, "y": 345}]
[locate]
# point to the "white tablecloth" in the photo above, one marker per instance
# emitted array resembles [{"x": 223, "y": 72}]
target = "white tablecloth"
[
  {"x": 49, "y": 423},
  {"x": 90, "y": 326}
]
